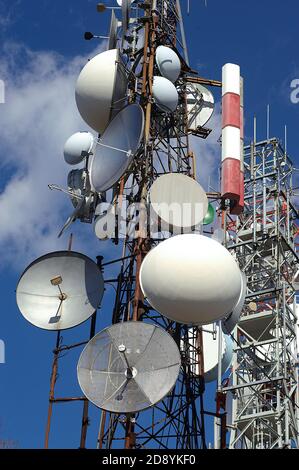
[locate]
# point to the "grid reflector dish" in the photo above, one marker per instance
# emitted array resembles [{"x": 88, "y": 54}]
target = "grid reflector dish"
[
  {"x": 116, "y": 148},
  {"x": 129, "y": 367},
  {"x": 60, "y": 290}
]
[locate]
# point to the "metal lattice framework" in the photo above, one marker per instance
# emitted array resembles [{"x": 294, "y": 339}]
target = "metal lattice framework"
[
  {"x": 264, "y": 380},
  {"x": 177, "y": 421}
]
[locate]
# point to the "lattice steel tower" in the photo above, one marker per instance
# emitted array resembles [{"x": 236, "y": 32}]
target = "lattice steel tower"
[{"x": 264, "y": 380}]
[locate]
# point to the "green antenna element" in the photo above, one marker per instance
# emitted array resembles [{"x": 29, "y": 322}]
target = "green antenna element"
[{"x": 210, "y": 215}]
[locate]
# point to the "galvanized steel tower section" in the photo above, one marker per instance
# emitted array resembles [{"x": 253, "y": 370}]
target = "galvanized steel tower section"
[{"x": 263, "y": 385}]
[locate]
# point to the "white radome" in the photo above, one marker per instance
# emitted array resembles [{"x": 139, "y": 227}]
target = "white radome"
[
  {"x": 165, "y": 94},
  {"x": 210, "y": 351},
  {"x": 191, "y": 279},
  {"x": 77, "y": 146},
  {"x": 168, "y": 63},
  {"x": 99, "y": 84}
]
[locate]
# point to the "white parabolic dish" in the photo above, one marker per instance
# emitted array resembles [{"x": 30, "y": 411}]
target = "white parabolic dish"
[
  {"x": 168, "y": 62},
  {"x": 129, "y": 367},
  {"x": 77, "y": 147},
  {"x": 116, "y": 148},
  {"x": 191, "y": 279},
  {"x": 165, "y": 94},
  {"x": 232, "y": 319},
  {"x": 210, "y": 351},
  {"x": 100, "y": 84},
  {"x": 200, "y": 105},
  {"x": 74, "y": 294},
  {"x": 178, "y": 200}
]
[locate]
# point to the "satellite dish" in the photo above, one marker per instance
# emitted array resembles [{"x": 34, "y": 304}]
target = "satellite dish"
[
  {"x": 210, "y": 215},
  {"x": 168, "y": 63},
  {"x": 191, "y": 279},
  {"x": 129, "y": 367},
  {"x": 210, "y": 343},
  {"x": 77, "y": 147},
  {"x": 117, "y": 147},
  {"x": 211, "y": 352},
  {"x": 178, "y": 201},
  {"x": 231, "y": 321},
  {"x": 60, "y": 290},
  {"x": 101, "y": 89},
  {"x": 104, "y": 225},
  {"x": 200, "y": 106},
  {"x": 165, "y": 94}
]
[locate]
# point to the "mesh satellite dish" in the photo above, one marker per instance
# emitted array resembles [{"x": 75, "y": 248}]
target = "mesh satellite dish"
[
  {"x": 178, "y": 201},
  {"x": 168, "y": 63},
  {"x": 60, "y": 290},
  {"x": 77, "y": 147},
  {"x": 191, "y": 279},
  {"x": 101, "y": 89},
  {"x": 129, "y": 367},
  {"x": 231, "y": 321},
  {"x": 117, "y": 147},
  {"x": 165, "y": 94},
  {"x": 200, "y": 106}
]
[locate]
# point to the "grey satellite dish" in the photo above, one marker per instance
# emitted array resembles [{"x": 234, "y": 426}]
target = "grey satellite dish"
[
  {"x": 178, "y": 201},
  {"x": 200, "y": 105},
  {"x": 129, "y": 367},
  {"x": 77, "y": 147},
  {"x": 165, "y": 94},
  {"x": 116, "y": 148},
  {"x": 60, "y": 290},
  {"x": 168, "y": 63},
  {"x": 101, "y": 89},
  {"x": 231, "y": 320}
]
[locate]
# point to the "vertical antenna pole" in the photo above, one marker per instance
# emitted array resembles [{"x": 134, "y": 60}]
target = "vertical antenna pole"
[
  {"x": 52, "y": 389},
  {"x": 268, "y": 122}
]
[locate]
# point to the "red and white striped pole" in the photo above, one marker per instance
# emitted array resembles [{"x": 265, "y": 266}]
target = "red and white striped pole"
[
  {"x": 231, "y": 133},
  {"x": 238, "y": 208}
]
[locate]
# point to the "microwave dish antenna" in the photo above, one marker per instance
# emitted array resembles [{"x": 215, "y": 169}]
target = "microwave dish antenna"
[
  {"x": 129, "y": 367},
  {"x": 60, "y": 290}
]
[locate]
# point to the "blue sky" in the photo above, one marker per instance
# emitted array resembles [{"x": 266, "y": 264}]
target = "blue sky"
[{"x": 42, "y": 51}]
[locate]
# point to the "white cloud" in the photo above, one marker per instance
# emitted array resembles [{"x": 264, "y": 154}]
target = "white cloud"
[{"x": 39, "y": 115}]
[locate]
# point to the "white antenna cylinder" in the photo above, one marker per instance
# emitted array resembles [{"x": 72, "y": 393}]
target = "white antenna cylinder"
[{"x": 231, "y": 134}]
